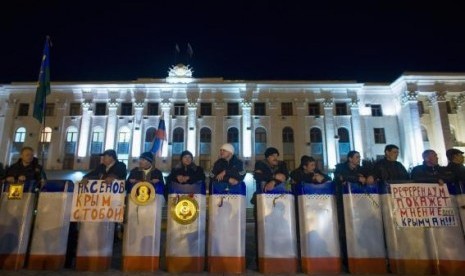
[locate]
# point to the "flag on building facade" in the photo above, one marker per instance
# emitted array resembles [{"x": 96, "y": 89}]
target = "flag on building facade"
[
  {"x": 43, "y": 86},
  {"x": 160, "y": 137}
]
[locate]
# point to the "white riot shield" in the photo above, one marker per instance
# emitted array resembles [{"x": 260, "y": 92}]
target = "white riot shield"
[
  {"x": 16, "y": 213},
  {"x": 141, "y": 240},
  {"x": 319, "y": 240},
  {"x": 51, "y": 228},
  {"x": 423, "y": 230},
  {"x": 185, "y": 237},
  {"x": 364, "y": 229},
  {"x": 277, "y": 248},
  {"x": 226, "y": 241}
]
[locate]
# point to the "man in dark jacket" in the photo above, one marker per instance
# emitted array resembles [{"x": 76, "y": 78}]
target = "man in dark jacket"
[
  {"x": 388, "y": 168},
  {"x": 307, "y": 172},
  {"x": 109, "y": 170},
  {"x": 145, "y": 172},
  {"x": 27, "y": 168},
  {"x": 228, "y": 168},
  {"x": 270, "y": 172},
  {"x": 430, "y": 171},
  {"x": 455, "y": 165}
]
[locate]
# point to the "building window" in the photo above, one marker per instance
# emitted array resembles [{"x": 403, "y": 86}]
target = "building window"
[
  {"x": 260, "y": 141},
  {"x": 124, "y": 136},
  {"x": 178, "y": 135},
  {"x": 343, "y": 135},
  {"x": 233, "y": 138},
  {"x": 376, "y": 110},
  {"x": 96, "y": 146},
  {"x": 259, "y": 109},
  {"x": 341, "y": 109},
  {"x": 233, "y": 109},
  {"x": 152, "y": 109},
  {"x": 421, "y": 108},
  {"x": 380, "y": 137},
  {"x": 50, "y": 109},
  {"x": 46, "y": 135},
  {"x": 288, "y": 135},
  {"x": 71, "y": 140},
  {"x": 288, "y": 148},
  {"x": 75, "y": 109},
  {"x": 315, "y": 135},
  {"x": 23, "y": 109},
  {"x": 314, "y": 109},
  {"x": 205, "y": 109},
  {"x": 100, "y": 109},
  {"x": 286, "y": 109},
  {"x": 126, "y": 109},
  {"x": 179, "y": 109},
  {"x": 20, "y": 135},
  {"x": 450, "y": 110}
]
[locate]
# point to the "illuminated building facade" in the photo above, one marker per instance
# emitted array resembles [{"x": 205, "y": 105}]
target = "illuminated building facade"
[{"x": 323, "y": 119}]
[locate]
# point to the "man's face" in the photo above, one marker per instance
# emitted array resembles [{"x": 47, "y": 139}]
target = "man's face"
[
  {"x": 186, "y": 160},
  {"x": 273, "y": 159},
  {"x": 144, "y": 164},
  {"x": 310, "y": 167},
  {"x": 392, "y": 154},
  {"x": 107, "y": 160},
  {"x": 432, "y": 159},
  {"x": 27, "y": 156},
  {"x": 225, "y": 154},
  {"x": 355, "y": 160},
  {"x": 458, "y": 158}
]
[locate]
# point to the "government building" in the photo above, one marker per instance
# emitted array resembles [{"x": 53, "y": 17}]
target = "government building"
[{"x": 324, "y": 119}]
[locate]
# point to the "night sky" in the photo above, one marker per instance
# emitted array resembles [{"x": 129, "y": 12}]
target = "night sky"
[{"x": 367, "y": 41}]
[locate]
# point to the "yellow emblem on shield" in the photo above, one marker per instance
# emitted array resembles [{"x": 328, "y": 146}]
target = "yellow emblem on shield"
[
  {"x": 185, "y": 211},
  {"x": 15, "y": 191},
  {"x": 143, "y": 193}
]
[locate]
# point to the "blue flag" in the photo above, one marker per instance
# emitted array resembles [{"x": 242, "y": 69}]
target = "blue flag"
[
  {"x": 43, "y": 87},
  {"x": 160, "y": 137}
]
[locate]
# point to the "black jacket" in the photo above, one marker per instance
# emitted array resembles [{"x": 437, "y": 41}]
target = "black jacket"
[
  {"x": 264, "y": 172},
  {"x": 33, "y": 171},
  {"x": 458, "y": 170},
  {"x": 117, "y": 171},
  {"x": 194, "y": 172},
  {"x": 390, "y": 170},
  {"x": 138, "y": 174},
  {"x": 234, "y": 169},
  {"x": 431, "y": 174},
  {"x": 298, "y": 176}
]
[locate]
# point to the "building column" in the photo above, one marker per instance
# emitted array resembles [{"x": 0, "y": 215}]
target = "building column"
[
  {"x": 112, "y": 120},
  {"x": 137, "y": 131},
  {"x": 84, "y": 130},
  {"x": 460, "y": 132},
  {"x": 246, "y": 129},
  {"x": 410, "y": 120},
  {"x": 192, "y": 127},
  {"x": 331, "y": 158},
  {"x": 440, "y": 121},
  {"x": 7, "y": 128},
  {"x": 356, "y": 126}
]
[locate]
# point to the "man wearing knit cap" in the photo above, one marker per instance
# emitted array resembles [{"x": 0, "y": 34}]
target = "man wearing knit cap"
[
  {"x": 270, "y": 172},
  {"x": 186, "y": 172},
  {"x": 145, "y": 172},
  {"x": 228, "y": 168}
]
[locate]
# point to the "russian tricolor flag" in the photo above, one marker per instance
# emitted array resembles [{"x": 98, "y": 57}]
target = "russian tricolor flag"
[{"x": 160, "y": 136}]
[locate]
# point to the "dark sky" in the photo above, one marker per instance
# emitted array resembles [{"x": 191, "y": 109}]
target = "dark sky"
[{"x": 367, "y": 41}]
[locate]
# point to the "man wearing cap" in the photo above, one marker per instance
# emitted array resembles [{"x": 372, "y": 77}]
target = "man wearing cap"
[
  {"x": 145, "y": 172},
  {"x": 228, "y": 168},
  {"x": 186, "y": 172},
  {"x": 110, "y": 168},
  {"x": 270, "y": 172},
  {"x": 455, "y": 165}
]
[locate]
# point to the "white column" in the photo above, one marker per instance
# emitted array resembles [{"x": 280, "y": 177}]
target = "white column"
[
  {"x": 84, "y": 130},
  {"x": 111, "y": 126},
  {"x": 246, "y": 129},
  {"x": 7, "y": 130},
  {"x": 440, "y": 121},
  {"x": 192, "y": 127},
  {"x": 460, "y": 133},
  {"x": 356, "y": 126},
  {"x": 331, "y": 144},
  {"x": 410, "y": 120},
  {"x": 137, "y": 131}
]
